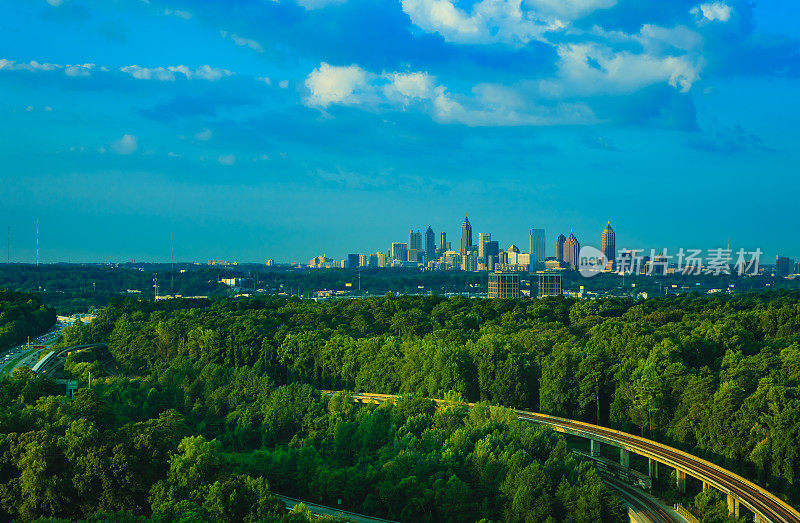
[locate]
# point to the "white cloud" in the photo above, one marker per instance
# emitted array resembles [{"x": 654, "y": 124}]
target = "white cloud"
[
  {"x": 588, "y": 69},
  {"x": 243, "y": 42},
  {"x": 408, "y": 86},
  {"x": 168, "y": 74},
  {"x": 29, "y": 108},
  {"x": 32, "y": 66},
  {"x": 713, "y": 11},
  {"x": 283, "y": 84},
  {"x": 489, "y": 104},
  {"x": 79, "y": 70},
  {"x": 489, "y": 21},
  {"x": 264, "y": 79},
  {"x": 55, "y": 3},
  {"x": 185, "y": 15},
  {"x": 128, "y": 144},
  {"x": 569, "y": 9},
  {"x": 330, "y": 84},
  {"x": 204, "y": 135},
  {"x": 228, "y": 159}
]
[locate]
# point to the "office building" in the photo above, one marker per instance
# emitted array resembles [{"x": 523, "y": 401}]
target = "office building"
[
  {"x": 399, "y": 251},
  {"x": 443, "y": 242},
  {"x": 784, "y": 266},
  {"x": 560, "y": 241},
  {"x": 353, "y": 261},
  {"x": 609, "y": 245},
  {"x": 469, "y": 262},
  {"x": 415, "y": 255},
  {"x": 537, "y": 246},
  {"x": 483, "y": 239},
  {"x": 466, "y": 236},
  {"x": 504, "y": 285},
  {"x": 550, "y": 284},
  {"x": 572, "y": 250},
  {"x": 430, "y": 245},
  {"x": 415, "y": 240}
]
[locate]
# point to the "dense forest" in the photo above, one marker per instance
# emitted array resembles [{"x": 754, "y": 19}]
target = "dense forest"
[
  {"x": 223, "y": 394},
  {"x": 22, "y": 315},
  {"x": 719, "y": 376}
]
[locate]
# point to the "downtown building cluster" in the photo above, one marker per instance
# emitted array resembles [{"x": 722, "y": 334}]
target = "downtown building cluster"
[{"x": 423, "y": 251}]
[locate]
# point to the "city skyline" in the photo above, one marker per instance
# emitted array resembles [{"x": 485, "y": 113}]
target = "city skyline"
[{"x": 266, "y": 130}]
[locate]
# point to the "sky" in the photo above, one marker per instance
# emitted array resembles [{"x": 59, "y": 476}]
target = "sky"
[{"x": 250, "y": 130}]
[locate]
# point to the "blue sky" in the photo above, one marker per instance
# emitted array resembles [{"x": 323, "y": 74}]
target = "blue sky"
[{"x": 255, "y": 129}]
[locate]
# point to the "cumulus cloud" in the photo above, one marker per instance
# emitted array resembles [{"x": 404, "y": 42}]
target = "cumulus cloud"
[
  {"x": 243, "y": 42},
  {"x": 589, "y": 69},
  {"x": 168, "y": 74},
  {"x": 79, "y": 70},
  {"x": 227, "y": 159},
  {"x": 128, "y": 144},
  {"x": 488, "y": 105},
  {"x": 569, "y": 9},
  {"x": 330, "y": 84},
  {"x": 713, "y": 11},
  {"x": 404, "y": 87},
  {"x": 489, "y": 21}
]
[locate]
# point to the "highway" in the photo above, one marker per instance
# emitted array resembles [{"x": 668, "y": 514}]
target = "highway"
[
  {"x": 21, "y": 355},
  {"x": 764, "y": 505},
  {"x": 644, "y": 508}
]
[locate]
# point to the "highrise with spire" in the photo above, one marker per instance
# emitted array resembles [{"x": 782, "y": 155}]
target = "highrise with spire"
[
  {"x": 430, "y": 244},
  {"x": 466, "y": 236},
  {"x": 609, "y": 244},
  {"x": 572, "y": 250}
]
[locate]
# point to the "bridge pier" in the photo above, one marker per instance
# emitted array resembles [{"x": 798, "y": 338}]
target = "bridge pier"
[
  {"x": 624, "y": 458},
  {"x": 680, "y": 480},
  {"x": 733, "y": 506},
  {"x": 594, "y": 448},
  {"x": 652, "y": 468},
  {"x": 705, "y": 486}
]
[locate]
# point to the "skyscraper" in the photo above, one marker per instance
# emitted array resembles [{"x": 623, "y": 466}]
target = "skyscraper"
[
  {"x": 537, "y": 245},
  {"x": 466, "y": 236},
  {"x": 483, "y": 239},
  {"x": 400, "y": 251},
  {"x": 572, "y": 251},
  {"x": 415, "y": 240},
  {"x": 430, "y": 244},
  {"x": 609, "y": 244},
  {"x": 443, "y": 239},
  {"x": 560, "y": 241}
]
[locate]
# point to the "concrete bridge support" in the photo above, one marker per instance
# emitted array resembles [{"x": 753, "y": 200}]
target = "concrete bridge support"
[
  {"x": 680, "y": 480},
  {"x": 594, "y": 448},
  {"x": 733, "y": 506},
  {"x": 624, "y": 457},
  {"x": 652, "y": 468}
]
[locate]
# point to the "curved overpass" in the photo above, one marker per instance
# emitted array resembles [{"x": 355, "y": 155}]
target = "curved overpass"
[
  {"x": 765, "y": 506},
  {"x": 58, "y": 356}
]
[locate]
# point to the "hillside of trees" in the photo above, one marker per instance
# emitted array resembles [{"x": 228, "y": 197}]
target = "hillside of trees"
[
  {"x": 233, "y": 386},
  {"x": 719, "y": 376},
  {"x": 22, "y": 315}
]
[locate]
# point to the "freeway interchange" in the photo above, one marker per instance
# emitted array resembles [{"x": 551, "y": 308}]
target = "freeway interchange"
[{"x": 764, "y": 505}]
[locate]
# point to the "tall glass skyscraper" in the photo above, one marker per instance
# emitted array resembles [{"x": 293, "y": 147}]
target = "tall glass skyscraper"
[
  {"x": 572, "y": 251},
  {"x": 430, "y": 244},
  {"x": 483, "y": 239},
  {"x": 609, "y": 244},
  {"x": 560, "y": 241},
  {"x": 537, "y": 246},
  {"x": 466, "y": 236}
]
